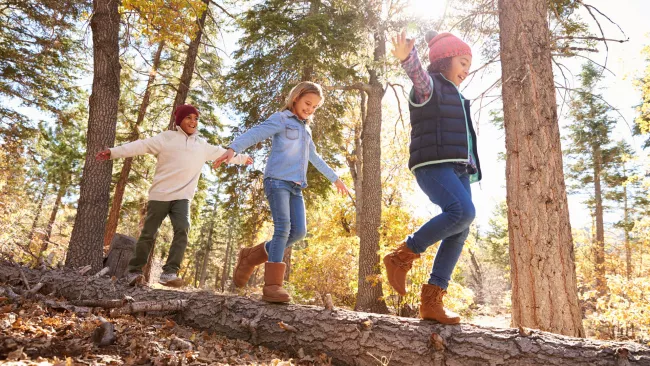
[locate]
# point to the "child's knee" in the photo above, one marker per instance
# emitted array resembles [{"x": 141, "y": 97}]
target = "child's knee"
[
  {"x": 281, "y": 229},
  {"x": 463, "y": 213},
  {"x": 182, "y": 226}
]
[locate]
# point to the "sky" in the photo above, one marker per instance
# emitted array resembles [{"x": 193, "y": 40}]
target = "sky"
[{"x": 625, "y": 62}]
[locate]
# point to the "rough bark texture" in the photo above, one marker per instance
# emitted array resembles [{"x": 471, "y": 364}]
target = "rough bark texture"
[
  {"x": 544, "y": 292},
  {"x": 350, "y": 338},
  {"x": 188, "y": 68},
  {"x": 370, "y": 295},
  {"x": 86, "y": 241},
  {"x": 120, "y": 253},
  {"x": 120, "y": 187}
]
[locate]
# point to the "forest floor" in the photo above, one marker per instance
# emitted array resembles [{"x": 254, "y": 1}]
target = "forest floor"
[{"x": 35, "y": 333}]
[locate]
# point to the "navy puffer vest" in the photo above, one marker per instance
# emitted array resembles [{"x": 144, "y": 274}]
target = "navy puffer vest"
[{"x": 439, "y": 128}]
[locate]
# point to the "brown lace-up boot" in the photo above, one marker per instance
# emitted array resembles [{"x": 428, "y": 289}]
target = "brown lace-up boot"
[
  {"x": 273, "y": 280},
  {"x": 398, "y": 263},
  {"x": 431, "y": 306},
  {"x": 248, "y": 259}
]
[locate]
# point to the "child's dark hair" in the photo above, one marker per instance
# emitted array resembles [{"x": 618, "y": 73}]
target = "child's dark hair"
[{"x": 440, "y": 65}]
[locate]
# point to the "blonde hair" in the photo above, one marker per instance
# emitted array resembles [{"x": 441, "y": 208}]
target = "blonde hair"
[{"x": 305, "y": 87}]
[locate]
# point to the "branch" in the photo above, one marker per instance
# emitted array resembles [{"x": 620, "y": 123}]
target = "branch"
[
  {"x": 596, "y": 38},
  {"x": 356, "y": 86},
  {"x": 222, "y": 9}
]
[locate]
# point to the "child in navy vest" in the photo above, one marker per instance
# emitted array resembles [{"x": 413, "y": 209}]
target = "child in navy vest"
[{"x": 444, "y": 159}]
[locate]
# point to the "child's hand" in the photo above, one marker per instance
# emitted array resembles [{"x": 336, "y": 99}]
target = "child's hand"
[
  {"x": 103, "y": 155},
  {"x": 402, "y": 46},
  {"x": 340, "y": 186},
  {"x": 249, "y": 160},
  {"x": 225, "y": 157}
]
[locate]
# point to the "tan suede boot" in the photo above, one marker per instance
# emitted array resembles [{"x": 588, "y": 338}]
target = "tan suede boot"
[
  {"x": 431, "y": 306},
  {"x": 398, "y": 263},
  {"x": 273, "y": 280},
  {"x": 248, "y": 259}
]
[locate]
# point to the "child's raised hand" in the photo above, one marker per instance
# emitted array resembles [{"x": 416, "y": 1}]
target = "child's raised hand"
[
  {"x": 103, "y": 155},
  {"x": 225, "y": 157},
  {"x": 340, "y": 186},
  {"x": 402, "y": 46}
]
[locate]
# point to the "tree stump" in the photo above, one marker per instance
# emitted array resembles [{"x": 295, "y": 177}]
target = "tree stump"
[{"x": 119, "y": 254}]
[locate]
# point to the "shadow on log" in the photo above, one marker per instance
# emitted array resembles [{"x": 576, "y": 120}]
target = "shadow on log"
[{"x": 350, "y": 338}]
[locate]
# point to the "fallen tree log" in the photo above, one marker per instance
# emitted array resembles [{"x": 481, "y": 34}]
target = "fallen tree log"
[{"x": 351, "y": 338}]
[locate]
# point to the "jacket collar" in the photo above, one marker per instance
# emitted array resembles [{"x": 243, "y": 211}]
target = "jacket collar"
[
  {"x": 194, "y": 135},
  {"x": 287, "y": 113}
]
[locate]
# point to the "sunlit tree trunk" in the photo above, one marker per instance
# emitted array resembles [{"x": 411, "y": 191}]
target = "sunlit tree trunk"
[
  {"x": 188, "y": 67},
  {"x": 87, "y": 239},
  {"x": 544, "y": 292},
  {"x": 370, "y": 295}
]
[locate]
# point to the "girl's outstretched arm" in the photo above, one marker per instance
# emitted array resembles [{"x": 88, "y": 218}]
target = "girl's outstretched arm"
[{"x": 405, "y": 51}]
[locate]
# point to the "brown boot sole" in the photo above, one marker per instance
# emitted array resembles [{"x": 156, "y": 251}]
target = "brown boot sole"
[
  {"x": 276, "y": 299},
  {"x": 173, "y": 283}
]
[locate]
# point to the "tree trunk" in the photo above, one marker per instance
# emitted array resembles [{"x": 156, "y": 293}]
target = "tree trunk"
[
  {"x": 226, "y": 260},
  {"x": 370, "y": 296},
  {"x": 188, "y": 67},
  {"x": 86, "y": 241},
  {"x": 544, "y": 291},
  {"x": 626, "y": 228},
  {"x": 206, "y": 251},
  {"x": 37, "y": 215},
  {"x": 601, "y": 281},
  {"x": 63, "y": 187},
  {"x": 114, "y": 215},
  {"x": 287, "y": 260},
  {"x": 349, "y": 338}
]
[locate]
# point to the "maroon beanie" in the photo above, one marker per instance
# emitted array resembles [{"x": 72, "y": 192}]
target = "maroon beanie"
[
  {"x": 183, "y": 111},
  {"x": 445, "y": 45}
]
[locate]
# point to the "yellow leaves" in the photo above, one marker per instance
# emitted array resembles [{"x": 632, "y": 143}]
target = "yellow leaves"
[{"x": 165, "y": 20}]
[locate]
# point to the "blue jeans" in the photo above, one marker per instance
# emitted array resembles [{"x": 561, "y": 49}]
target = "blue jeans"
[
  {"x": 288, "y": 211},
  {"x": 446, "y": 185}
]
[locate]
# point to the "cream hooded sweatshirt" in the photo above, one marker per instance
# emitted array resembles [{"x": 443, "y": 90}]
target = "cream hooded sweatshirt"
[{"x": 180, "y": 159}]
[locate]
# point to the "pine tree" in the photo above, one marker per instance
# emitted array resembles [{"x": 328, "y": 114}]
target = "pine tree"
[
  {"x": 541, "y": 245},
  {"x": 86, "y": 241},
  {"x": 40, "y": 54},
  {"x": 591, "y": 150}
]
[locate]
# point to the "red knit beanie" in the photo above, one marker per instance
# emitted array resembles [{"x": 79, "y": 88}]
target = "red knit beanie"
[
  {"x": 183, "y": 111},
  {"x": 445, "y": 45}
]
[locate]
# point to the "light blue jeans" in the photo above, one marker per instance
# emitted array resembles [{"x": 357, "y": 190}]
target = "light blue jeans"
[
  {"x": 288, "y": 211},
  {"x": 446, "y": 185}
]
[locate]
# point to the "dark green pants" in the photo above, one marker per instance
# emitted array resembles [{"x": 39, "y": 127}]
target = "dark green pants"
[{"x": 179, "y": 214}]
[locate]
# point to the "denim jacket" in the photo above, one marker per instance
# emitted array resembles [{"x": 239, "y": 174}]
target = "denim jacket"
[{"x": 291, "y": 150}]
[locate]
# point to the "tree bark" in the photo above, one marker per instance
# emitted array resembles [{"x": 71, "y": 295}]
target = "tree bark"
[
  {"x": 120, "y": 187},
  {"x": 350, "y": 338},
  {"x": 370, "y": 296},
  {"x": 544, "y": 291},
  {"x": 601, "y": 281},
  {"x": 188, "y": 67},
  {"x": 206, "y": 251},
  {"x": 63, "y": 187},
  {"x": 86, "y": 241}
]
